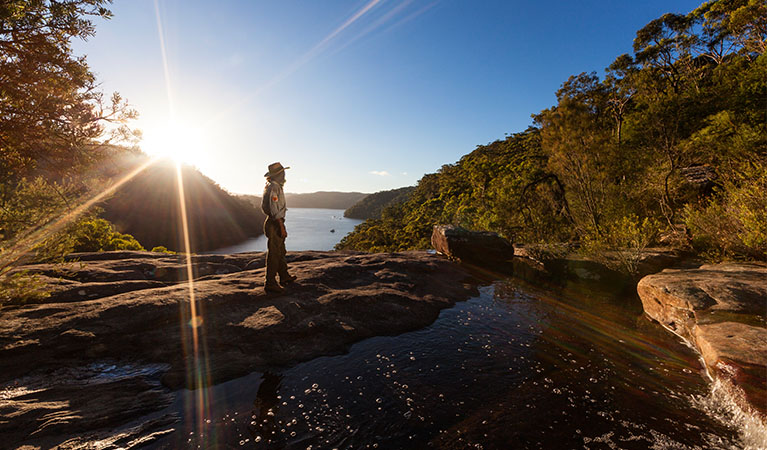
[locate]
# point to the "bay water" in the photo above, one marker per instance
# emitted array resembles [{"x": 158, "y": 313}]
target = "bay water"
[{"x": 308, "y": 229}]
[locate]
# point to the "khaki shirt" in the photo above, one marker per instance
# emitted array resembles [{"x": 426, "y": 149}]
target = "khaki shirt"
[{"x": 277, "y": 204}]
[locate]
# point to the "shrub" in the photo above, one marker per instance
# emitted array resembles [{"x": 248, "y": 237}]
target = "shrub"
[
  {"x": 21, "y": 287},
  {"x": 162, "y": 249},
  {"x": 622, "y": 243},
  {"x": 96, "y": 235},
  {"x": 733, "y": 225},
  {"x": 547, "y": 251},
  {"x": 88, "y": 234}
]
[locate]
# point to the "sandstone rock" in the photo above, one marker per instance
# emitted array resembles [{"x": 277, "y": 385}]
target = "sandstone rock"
[
  {"x": 338, "y": 299},
  {"x": 479, "y": 247},
  {"x": 722, "y": 310},
  {"x": 732, "y": 341},
  {"x": 681, "y": 298}
]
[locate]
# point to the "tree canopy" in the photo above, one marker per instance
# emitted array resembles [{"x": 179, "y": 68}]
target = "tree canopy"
[
  {"x": 52, "y": 114},
  {"x": 55, "y": 122}
]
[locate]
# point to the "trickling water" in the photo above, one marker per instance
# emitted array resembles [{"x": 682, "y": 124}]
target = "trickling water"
[
  {"x": 719, "y": 403},
  {"x": 512, "y": 368}
]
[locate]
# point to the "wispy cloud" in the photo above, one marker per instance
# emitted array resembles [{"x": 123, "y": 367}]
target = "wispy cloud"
[
  {"x": 366, "y": 12},
  {"x": 380, "y": 173},
  {"x": 301, "y": 61},
  {"x": 387, "y": 18}
]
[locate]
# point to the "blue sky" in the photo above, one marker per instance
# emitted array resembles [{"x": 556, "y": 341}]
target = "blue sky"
[{"x": 353, "y": 95}]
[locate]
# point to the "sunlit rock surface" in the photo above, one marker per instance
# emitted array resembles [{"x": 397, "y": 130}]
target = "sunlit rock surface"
[
  {"x": 722, "y": 310},
  {"x": 116, "y": 334}
]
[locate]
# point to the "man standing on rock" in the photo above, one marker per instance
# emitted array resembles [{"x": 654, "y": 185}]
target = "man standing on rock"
[{"x": 273, "y": 205}]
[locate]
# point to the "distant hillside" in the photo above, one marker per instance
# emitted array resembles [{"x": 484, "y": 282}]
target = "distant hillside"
[
  {"x": 371, "y": 206},
  {"x": 148, "y": 208},
  {"x": 325, "y": 200}
]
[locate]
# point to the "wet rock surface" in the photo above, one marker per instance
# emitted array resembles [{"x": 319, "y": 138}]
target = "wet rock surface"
[
  {"x": 99, "y": 359},
  {"x": 721, "y": 310}
]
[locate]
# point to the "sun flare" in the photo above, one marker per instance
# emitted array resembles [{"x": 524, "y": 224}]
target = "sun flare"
[{"x": 181, "y": 142}]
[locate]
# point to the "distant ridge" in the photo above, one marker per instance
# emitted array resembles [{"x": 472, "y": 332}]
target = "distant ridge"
[
  {"x": 148, "y": 208},
  {"x": 322, "y": 199},
  {"x": 371, "y": 206}
]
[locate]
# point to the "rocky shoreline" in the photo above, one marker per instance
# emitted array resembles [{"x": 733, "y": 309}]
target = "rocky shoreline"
[
  {"x": 106, "y": 352},
  {"x": 721, "y": 310}
]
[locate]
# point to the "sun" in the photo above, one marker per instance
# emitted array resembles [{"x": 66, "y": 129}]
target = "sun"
[{"x": 181, "y": 142}]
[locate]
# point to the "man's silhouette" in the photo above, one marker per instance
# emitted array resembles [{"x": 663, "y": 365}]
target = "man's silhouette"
[{"x": 273, "y": 205}]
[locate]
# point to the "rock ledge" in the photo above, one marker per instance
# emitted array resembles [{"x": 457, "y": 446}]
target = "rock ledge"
[
  {"x": 722, "y": 311},
  {"x": 112, "y": 342}
]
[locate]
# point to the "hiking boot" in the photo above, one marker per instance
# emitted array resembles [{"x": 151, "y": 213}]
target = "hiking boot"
[
  {"x": 273, "y": 288},
  {"x": 287, "y": 279}
]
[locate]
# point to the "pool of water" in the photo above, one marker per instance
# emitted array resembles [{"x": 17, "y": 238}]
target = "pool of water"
[{"x": 515, "y": 367}]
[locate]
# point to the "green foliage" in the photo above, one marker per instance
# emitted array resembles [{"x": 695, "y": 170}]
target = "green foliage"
[
  {"x": 578, "y": 138},
  {"x": 622, "y": 243},
  {"x": 372, "y": 206},
  {"x": 52, "y": 116},
  {"x": 22, "y": 287},
  {"x": 162, "y": 249},
  {"x": 87, "y": 234},
  {"x": 55, "y": 125},
  {"x": 502, "y": 186},
  {"x": 30, "y": 204},
  {"x": 97, "y": 235},
  {"x": 547, "y": 251},
  {"x": 733, "y": 225}
]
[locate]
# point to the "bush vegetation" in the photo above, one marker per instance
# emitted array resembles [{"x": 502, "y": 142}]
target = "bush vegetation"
[
  {"x": 371, "y": 206},
  {"x": 162, "y": 249},
  {"x": 673, "y": 136},
  {"x": 732, "y": 224}
]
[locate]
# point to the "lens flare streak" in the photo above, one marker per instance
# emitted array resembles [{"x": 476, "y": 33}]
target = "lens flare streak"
[
  {"x": 323, "y": 45},
  {"x": 193, "y": 320},
  {"x": 16, "y": 253}
]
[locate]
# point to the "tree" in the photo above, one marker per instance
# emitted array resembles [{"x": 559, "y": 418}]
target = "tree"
[
  {"x": 576, "y": 137},
  {"x": 55, "y": 123},
  {"x": 53, "y": 118},
  {"x": 733, "y": 26}
]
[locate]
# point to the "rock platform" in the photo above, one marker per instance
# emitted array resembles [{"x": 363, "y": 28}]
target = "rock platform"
[{"x": 106, "y": 352}]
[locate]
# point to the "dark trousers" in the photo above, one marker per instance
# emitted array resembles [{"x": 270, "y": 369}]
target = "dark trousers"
[{"x": 275, "y": 251}]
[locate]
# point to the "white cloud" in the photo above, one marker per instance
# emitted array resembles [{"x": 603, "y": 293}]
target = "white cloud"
[
  {"x": 380, "y": 173},
  {"x": 404, "y": 173}
]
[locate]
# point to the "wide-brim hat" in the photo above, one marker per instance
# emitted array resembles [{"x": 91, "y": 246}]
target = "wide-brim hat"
[{"x": 275, "y": 169}]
